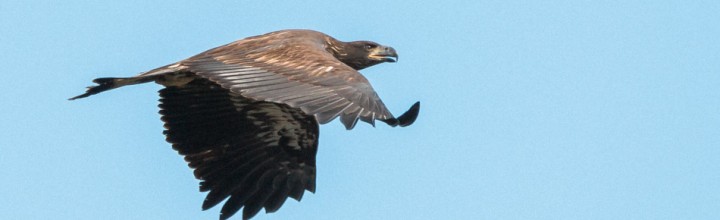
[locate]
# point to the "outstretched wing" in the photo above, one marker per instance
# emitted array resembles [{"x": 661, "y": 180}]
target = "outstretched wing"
[
  {"x": 297, "y": 71},
  {"x": 256, "y": 153}
]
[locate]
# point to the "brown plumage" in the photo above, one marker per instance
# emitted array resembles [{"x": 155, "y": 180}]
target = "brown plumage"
[{"x": 245, "y": 115}]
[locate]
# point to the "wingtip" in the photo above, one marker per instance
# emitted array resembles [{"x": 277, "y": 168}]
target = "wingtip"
[
  {"x": 208, "y": 203},
  {"x": 406, "y": 118},
  {"x": 410, "y": 115}
]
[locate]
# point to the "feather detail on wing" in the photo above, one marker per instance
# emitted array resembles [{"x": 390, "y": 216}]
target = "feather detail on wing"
[
  {"x": 298, "y": 72},
  {"x": 255, "y": 154}
]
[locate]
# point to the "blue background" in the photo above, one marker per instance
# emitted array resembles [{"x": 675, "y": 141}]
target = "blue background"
[{"x": 530, "y": 109}]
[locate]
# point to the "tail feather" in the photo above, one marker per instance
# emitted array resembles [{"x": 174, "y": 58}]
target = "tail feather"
[{"x": 108, "y": 83}]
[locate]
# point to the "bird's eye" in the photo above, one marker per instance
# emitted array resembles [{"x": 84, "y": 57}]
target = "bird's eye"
[{"x": 369, "y": 46}]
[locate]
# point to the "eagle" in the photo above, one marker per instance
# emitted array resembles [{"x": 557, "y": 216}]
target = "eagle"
[{"x": 246, "y": 115}]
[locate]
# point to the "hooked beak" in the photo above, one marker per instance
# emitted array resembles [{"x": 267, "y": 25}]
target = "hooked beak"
[{"x": 384, "y": 54}]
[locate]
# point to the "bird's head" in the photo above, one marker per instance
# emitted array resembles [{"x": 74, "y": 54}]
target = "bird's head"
[{"x": 363, "y": 54}]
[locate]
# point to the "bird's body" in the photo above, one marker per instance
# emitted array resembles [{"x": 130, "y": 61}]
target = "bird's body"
[{"x": 246, "y": 115}]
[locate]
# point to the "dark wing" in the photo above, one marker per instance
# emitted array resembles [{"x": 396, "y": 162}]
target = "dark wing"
[
  {"x": 296, "y": 71},
  {"x": 254, "y": 152}
]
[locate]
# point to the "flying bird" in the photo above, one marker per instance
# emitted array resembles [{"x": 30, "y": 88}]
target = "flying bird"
[{"x": 246, "y": 115}]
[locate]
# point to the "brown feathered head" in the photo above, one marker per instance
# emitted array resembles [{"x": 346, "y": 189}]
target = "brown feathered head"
[{"x": 362, "y": 54}]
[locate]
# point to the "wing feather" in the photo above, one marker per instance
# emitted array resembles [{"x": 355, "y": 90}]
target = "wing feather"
[
  {"x": 280, "y": 194},
  {"x": 271, "y": 68},
  {"x": 242, "y": 149}
]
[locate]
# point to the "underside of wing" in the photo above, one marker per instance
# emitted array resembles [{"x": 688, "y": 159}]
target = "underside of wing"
[{"x": 254, "y": 153}]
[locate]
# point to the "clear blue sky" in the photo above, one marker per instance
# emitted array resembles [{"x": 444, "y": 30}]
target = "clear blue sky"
[{"x": 531, "y": 110}]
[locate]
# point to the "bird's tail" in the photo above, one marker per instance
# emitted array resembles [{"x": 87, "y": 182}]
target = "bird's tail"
[{"x": 105, "y": 84}]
